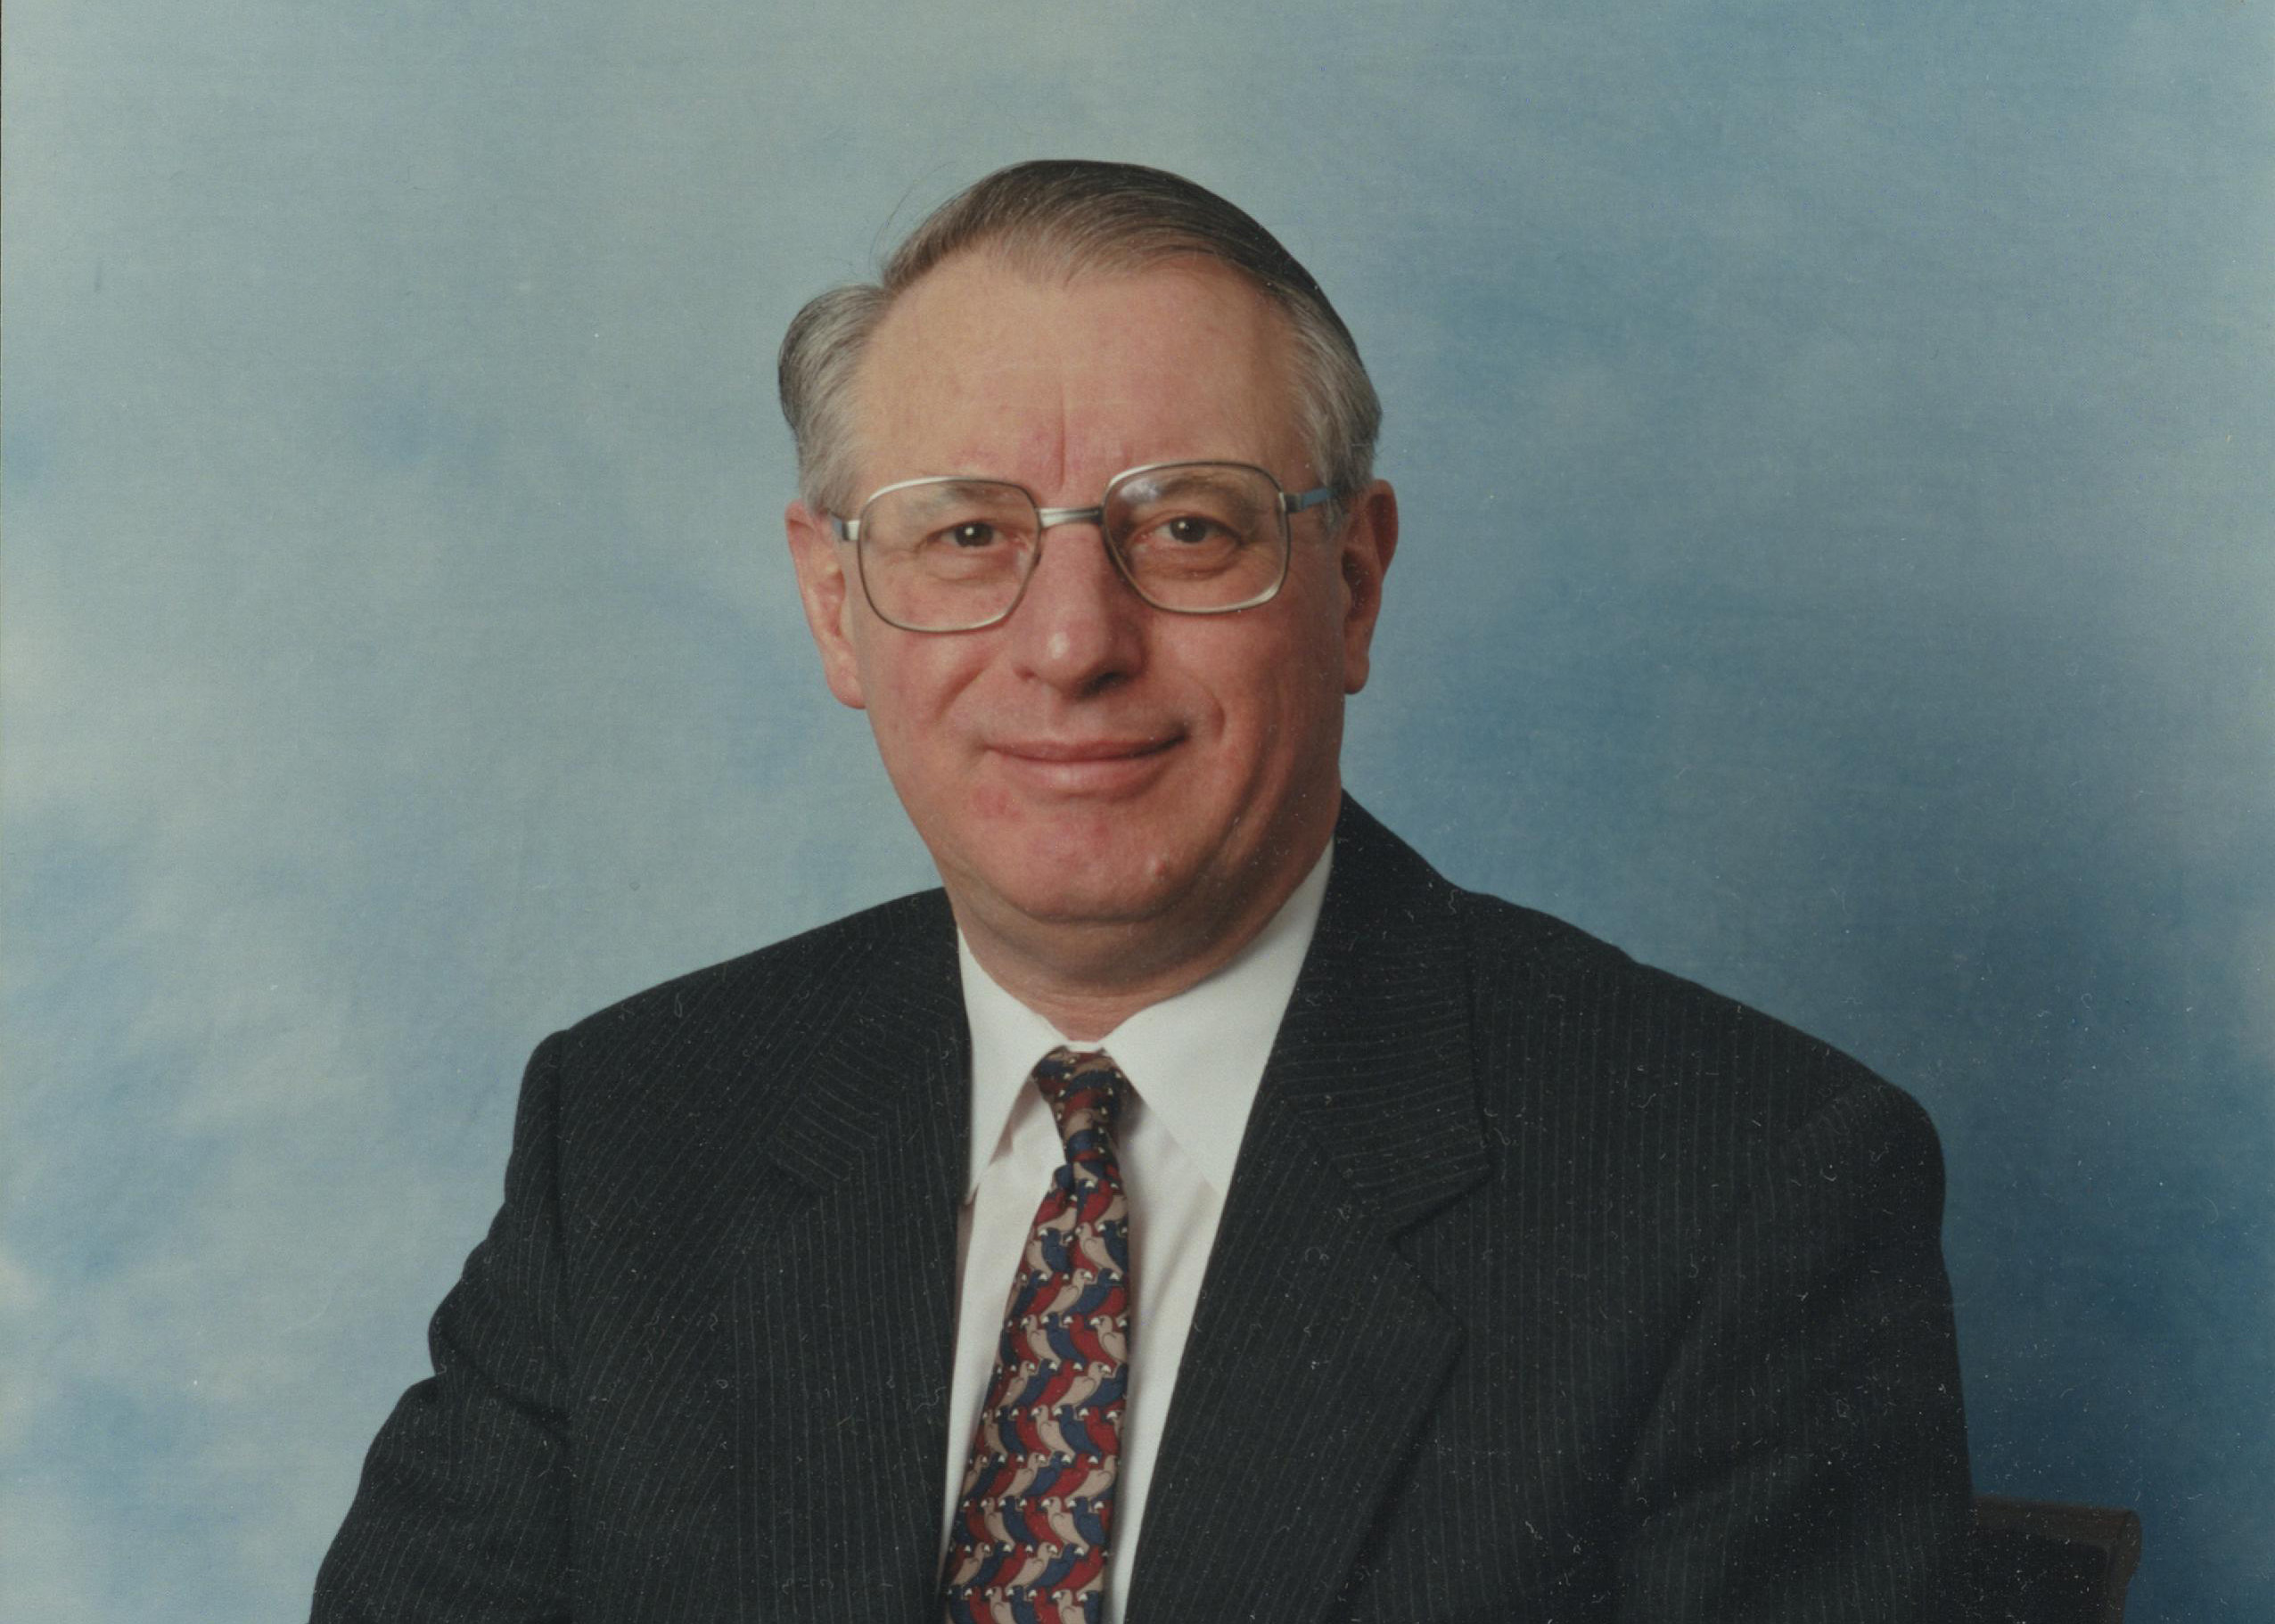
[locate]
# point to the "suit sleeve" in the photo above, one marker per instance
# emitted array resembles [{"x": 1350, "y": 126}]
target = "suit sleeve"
[
  {"x": 1806, "y": 1458},
  {"x": 463, "y": 1512}
]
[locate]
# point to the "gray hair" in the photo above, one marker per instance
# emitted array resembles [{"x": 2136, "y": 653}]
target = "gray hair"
[{"x": 1070, "y": 216}]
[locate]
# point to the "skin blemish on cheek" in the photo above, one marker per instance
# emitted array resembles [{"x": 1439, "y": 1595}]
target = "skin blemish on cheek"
[{"x": 994, "y": 804}]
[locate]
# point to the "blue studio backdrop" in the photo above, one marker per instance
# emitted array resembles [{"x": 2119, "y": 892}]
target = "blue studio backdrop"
[{"x": 1835, "y": 445}]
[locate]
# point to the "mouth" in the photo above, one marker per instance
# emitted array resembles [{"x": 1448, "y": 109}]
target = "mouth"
[
  {"x": 1094, "y": 765},
  {"x": 1077, "y": 750}
]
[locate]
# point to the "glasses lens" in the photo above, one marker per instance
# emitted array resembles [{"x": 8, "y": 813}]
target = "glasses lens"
[
  {"x": 1199, "y": 535},
  {"x": 947, "y": 554}
]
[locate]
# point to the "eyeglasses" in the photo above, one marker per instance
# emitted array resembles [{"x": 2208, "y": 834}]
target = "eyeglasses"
[{"x": 951, "y": 554}]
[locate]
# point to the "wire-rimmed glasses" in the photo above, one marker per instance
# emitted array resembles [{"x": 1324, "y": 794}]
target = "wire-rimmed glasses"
[{"x": 952, "y": 555}]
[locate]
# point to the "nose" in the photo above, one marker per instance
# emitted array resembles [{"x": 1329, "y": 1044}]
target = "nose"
[{"x": 1078, "y": 626}]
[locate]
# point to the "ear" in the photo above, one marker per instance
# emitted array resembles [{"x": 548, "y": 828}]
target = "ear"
[
  {"x": 831, "y": 599},
  {"x": 1370, "y": 538}
]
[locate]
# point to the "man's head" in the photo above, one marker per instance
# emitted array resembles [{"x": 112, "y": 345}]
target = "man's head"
[
  {"x": 1064, "y": 219},
  {"x": 1117, "y": 795}
]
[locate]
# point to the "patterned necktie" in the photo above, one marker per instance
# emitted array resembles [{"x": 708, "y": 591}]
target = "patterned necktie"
[{"x": 1035, "y": 1512}]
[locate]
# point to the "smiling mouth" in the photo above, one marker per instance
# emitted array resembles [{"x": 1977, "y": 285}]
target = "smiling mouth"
[
  {"x": 1088, "y": 767},
  {"x": 1083, "y": 751}
]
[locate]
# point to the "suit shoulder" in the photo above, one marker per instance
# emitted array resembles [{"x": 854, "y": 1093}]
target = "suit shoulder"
[
  {"x": 1563, "y": 1011},
  {"x": 771, "y": 993}
]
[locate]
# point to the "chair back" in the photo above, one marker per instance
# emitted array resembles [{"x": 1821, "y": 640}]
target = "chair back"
[{"x": 2038, "y": 1562}]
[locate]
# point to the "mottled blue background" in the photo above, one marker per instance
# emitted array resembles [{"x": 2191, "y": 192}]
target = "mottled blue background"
[{"x": 1835, "y": 446}]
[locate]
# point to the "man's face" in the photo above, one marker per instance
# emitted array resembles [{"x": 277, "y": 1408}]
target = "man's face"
[{"x": 1095, "y": 762}]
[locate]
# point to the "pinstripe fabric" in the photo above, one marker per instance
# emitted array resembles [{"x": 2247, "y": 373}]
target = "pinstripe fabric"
[
  {"x": 662, "y": 1392},
  {"x": 1587, "y": 1295}
]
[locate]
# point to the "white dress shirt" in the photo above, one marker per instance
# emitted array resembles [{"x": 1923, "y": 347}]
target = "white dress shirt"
[{"x": 1194, "y": 1062}]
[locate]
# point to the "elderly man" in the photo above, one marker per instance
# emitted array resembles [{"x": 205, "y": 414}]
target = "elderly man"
[{"x": 1197, "y": 1208}]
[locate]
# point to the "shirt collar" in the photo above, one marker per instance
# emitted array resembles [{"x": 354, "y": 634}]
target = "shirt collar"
[{"x": 1195, "y": 1059}]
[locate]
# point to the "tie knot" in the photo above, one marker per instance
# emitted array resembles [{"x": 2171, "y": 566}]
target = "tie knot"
[{"x": 1085, "y": 1091}]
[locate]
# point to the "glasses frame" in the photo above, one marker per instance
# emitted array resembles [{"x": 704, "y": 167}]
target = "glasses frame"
[{"x": 1050, "y": 517}]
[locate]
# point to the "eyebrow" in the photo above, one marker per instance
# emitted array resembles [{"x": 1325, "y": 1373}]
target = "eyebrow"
[{"x": 947, "y": 487}]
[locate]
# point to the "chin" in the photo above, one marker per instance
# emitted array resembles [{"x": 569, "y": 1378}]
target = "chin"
[
  {"x": 1096, "y": 897},
  {"x": 1087, "y": 881}
]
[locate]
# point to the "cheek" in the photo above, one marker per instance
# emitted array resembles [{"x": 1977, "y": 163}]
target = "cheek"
[
  {"x": 909, "y": 671},
  {"x": 1308, "y": 705},
  {"x": 1271, "y": 701},
  {"x": 912, "y": 686}
]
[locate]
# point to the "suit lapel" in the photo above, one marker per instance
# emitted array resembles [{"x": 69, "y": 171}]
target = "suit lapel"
[
  {"x": 1316, "y": 1351},
  {"x": 841, "y": 1315}
]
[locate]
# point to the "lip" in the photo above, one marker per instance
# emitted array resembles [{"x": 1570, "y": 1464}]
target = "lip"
[{"x": 1087, "y": 765}]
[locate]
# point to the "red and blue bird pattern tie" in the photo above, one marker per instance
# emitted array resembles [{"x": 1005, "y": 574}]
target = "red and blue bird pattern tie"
[{"x": 1035, "y": 1517}]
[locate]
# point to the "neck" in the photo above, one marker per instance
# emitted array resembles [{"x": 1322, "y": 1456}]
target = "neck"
[{"x": 1087, "y": 978}]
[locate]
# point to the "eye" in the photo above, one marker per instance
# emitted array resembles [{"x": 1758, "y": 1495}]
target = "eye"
[
  {"x": 971, "y": 533},
  {"x": 1191, "y": 529}
]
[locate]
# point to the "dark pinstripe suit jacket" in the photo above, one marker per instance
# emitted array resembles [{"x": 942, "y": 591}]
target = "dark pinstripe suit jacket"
[{"x": 1548, "y": 1287}]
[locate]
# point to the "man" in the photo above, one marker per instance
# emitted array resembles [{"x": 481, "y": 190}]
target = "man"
[{"x": 1199, "y": 1209}]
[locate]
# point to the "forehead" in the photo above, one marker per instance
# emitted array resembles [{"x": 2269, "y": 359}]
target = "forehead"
[{"x": 982, "y": 368}]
